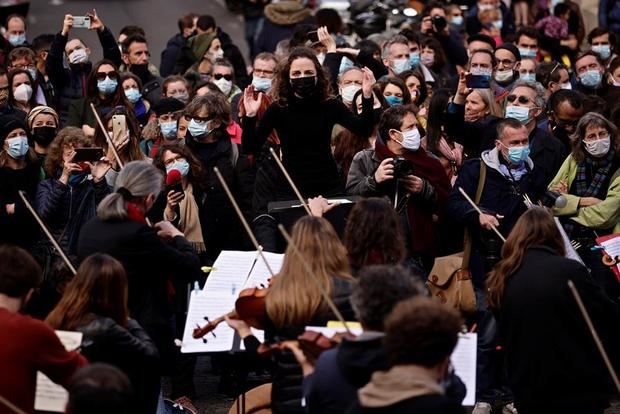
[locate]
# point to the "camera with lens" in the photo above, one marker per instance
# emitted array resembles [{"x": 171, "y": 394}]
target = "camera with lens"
[
  {"x": 402, "y": 167},
  {"x": 439, "y": 23}
]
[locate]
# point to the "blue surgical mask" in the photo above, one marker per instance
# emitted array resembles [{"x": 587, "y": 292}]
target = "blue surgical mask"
[
  {"x": 528, "y": 53},
  {"x": 591, "y": 79},
  {"x": 198, "y": 129},
  {"x": 181, "y": 165},
  {"x": 401, "y": 65},
  {"x": 345, "y": 64},
  {"x": 603, "y": 50},
  {"x": 393, "y": 100},
  {"x": 133, "y": 95},
  {"x": 414, "y": 59},
  {"x": 457, "y": 20},
  {"x": 517, "y": 155},
  {"x": 529, "y": 77},
  {"x": 519, "y": 113},
  {"x": 107, "y": 86},
  {"x": 17, "y": 40},
  {"x": 168, "y": 129},
  {"x": 18, "y": 147},
  {"x": 261, "y": 84},
  {"x": 33, "y": 73},
  {"x": 498, "y": 24}
]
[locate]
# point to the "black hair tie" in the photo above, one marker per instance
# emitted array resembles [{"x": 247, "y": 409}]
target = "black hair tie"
[{"x": 125, "y": 193}]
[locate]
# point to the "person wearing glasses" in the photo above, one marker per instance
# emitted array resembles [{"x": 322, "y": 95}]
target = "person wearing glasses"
[
  {"x": 103, "y": 91},
  {"x": 525, "y": 103},
  {"x": 590, "y": 181},
  {"x": 508, "y": 63},
  {"x": 224, "y": 78}
]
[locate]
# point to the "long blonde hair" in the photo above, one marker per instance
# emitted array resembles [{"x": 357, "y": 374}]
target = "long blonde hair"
[{"x": 294, "y": 297}]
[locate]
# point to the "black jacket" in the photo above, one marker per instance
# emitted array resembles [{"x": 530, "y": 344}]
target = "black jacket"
[
  {"x": 552, "y": 360},
  {"x": 149, "y": 263},
  {"x": 65, "y": 209},
  {"x": 131, "y": 350},
  {"x": 170, "y": 54},
  {"x": 287, "y": 377},
  {"x": 474, "y": 136},
  {"x": 234, "y": 56},
  {"x": 547, "y": 152},
  {"x": 426, "y": 404},
  {"x": 71, "y": 83}
]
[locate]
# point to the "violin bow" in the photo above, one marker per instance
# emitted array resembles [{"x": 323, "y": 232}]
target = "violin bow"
[
  {"x": 308, "y": 270},
  {"x": 290, "y": 181},
  {"x": 246, "y": 226},
  {"x": 470, "y": 201},
  {"x": 107, "y": 136},
  {"x": 11, "y": 406},
  {"x": 597, "y": 339},
  {"x": 47, "y": 232}
]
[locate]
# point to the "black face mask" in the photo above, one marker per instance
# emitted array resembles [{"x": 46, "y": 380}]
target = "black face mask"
[
  {"x": 44, "y": 135},
  {"x": 304, "y": 87},
  {"x": 559, "y": 132},
  {"x": 141, "y": 71}
]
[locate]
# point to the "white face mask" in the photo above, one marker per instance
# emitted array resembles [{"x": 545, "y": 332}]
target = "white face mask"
[
  {"x": 503, "y": 75},
  {"x": 598, "y": 148},
  {"x": 348, "y": 92},
  {"x": 218, "y": 54},
  {"x": 411, "y": 139},
  {"x": 224, "y": 85},
  {"x": 78, "y": 56},
  {"x": 23, "y": 93},
  {"x": 566, "y": 85},
  {"x": 614, "y": 81}
]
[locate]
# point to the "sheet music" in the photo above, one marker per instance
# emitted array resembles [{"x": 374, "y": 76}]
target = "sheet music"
[
  {"x": 571, "y": 253},
  {"x": 50, "y": 396},
  {"x": 612, "y": 247},
  {"x": 464, "y": 362},
  {"x": 233, "y": 271}
]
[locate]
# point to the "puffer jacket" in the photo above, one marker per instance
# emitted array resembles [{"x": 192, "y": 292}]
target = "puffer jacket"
[
  {"x": 65, "y": 209},
  {"x": 280, "y": 21},
  {"x": 70, "y": 83},
  {"x": 128, "y": 348}
]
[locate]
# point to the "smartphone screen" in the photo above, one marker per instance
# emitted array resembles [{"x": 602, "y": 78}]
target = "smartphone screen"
[
  {"x": 313, "y": 36},
  {"x": 81, "y": 22},
  {"x": 119, "y": 128},
  {"x": 478, "y": 81},
  {"x": 90, "y": 154}
]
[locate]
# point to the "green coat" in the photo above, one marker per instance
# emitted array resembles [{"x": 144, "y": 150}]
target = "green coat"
[{"x": 604, "y": 215}]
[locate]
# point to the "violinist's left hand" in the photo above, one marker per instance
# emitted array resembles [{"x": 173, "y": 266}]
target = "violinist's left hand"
[
  {"x": 307, "y": 367},
  {"x": 242, "y": 328}
]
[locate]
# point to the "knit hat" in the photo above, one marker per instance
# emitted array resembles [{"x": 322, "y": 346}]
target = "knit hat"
[
  {"x": 287, "y": 12},
  {"x": 8, "y": 124},
  {"x": 168, "y": 105},
  {"x": 41, "y": 109},
  {"x": 201, "y": 43},
  {"x": 512, "y": 49}
]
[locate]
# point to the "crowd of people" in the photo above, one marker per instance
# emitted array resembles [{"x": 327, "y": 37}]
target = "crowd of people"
[{"x": 513, "y": 106}]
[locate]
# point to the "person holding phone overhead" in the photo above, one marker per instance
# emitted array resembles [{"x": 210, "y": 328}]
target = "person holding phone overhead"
[
  {"x": 69, "y": 78},
  {"x": 69, "y": 198}
]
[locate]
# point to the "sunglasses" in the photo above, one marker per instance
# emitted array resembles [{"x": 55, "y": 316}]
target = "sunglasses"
[
  {"x": 522, "y": 99},
  {"x": 113, "y": 75},
  {"x": 219, "y": 76},
  {"x": 197, "y": 118}
]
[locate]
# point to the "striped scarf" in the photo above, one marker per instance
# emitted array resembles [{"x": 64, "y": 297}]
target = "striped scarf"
[{"x": 600, "y": 170}]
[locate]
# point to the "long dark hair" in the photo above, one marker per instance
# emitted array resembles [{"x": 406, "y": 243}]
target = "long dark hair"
[
  {"x": 384, "y": 238},
  {"x": 135, "y": 134},
  {"x": 436, "y": 118},
  {"x": 197, "y": 174},
  {"x": 422, "y": 92},
  {"x": 116, "y": 99},
  {"x": 282, "y": 90},
  {"x": 535, "y": 227},
  {"x": 99, "y": 289}
]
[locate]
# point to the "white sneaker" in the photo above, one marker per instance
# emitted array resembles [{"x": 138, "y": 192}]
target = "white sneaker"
[
  {"x": 482, "y": 408},
  {"x": 509, "y": 409}
]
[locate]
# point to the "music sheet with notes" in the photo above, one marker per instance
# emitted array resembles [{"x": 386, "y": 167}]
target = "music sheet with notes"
[{"x": 232, "y": 272}]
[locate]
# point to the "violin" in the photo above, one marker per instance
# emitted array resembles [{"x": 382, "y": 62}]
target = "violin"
[
  {"x": 312, "y": 343},
  {"x": 249, "y": 307}
]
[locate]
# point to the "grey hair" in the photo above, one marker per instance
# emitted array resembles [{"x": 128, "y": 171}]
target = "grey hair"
[
  {"x": 395, "y": 40},
  {"x": 379, "y": 288},
  {"x": 588, "y": 120},
  {"x": 347, "y": 70},
  {"x": 140, "y": 178},
  {"x": 536, "y": 87}
]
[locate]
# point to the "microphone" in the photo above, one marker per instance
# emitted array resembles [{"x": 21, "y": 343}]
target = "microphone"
[
  {"x": 173, "y": 182},
  {"x": 554, "y": 199}
]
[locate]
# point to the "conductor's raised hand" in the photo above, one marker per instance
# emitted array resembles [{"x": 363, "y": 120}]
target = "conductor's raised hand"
[{"x": 251, "y": 104}]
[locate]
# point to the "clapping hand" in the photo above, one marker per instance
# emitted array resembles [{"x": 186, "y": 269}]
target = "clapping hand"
[
  {"x": 368, "y": 81},
  {"x": 251, "y": 104}
]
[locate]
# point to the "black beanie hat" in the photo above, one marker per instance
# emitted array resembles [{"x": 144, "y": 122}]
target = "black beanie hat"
[
  {"x": 8, "y": 124},
  {"x": 512, "y": 49},
  {"x": 168, "y": 105}
]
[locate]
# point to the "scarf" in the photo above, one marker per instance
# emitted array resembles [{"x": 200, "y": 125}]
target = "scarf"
[
  {"x": 400, "y": 383},
  {"x": 420, "y": 215},
  {"x": 600, "y": 173},
  {"x": 189, "y": 220}
]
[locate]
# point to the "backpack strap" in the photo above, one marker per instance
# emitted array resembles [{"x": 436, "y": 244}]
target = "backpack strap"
[{"x": 467, "y": 235}]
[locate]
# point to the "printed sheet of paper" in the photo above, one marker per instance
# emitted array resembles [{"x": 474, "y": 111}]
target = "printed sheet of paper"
[
  {"x": 464, "y": 362},
  {"x": 233, "y": 271},
  {"x": 50, "y": 396},
  {"x": 612, "y": 246}
]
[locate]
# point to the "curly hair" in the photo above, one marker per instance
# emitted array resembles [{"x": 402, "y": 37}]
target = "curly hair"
[
  {"x": 67, "y": 137},
  {"x": 282, "y": 90},
  {"x": 383, "y": 238},
  {"x": 197, "y": 174}
]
